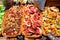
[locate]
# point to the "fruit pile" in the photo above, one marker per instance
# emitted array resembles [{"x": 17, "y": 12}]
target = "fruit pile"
[
  {"x": 51, "y": 21},
  {"x": 11, "y": 22},
  {"x": 31, "y": 20}
]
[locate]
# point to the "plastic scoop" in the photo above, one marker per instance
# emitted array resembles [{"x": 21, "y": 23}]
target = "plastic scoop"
[{"x": 41, "y": 3}]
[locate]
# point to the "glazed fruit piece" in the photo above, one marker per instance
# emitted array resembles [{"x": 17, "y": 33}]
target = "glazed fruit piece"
[
  {"x": 31, "y": 21},
  {"x": 11, "y": 22}
]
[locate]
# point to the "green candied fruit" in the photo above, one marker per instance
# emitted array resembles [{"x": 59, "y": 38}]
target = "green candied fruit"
[
  {"x": 53, "y": 18},
  {"x": 0, "y": 21},
  {"x": 57, "y": 31},
  {"x": 1, "y": 8},
  {"x": 0, "y": 27},
  {"x": 1, "y": 15}
]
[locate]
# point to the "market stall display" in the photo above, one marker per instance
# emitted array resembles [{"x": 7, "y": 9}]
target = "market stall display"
[{"x": 29, "y": 20}]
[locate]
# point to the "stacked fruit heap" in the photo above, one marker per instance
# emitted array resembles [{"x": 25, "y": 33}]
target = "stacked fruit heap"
[
  {"x": 51, "y": 21},
  {"x": 31, "y": 20},
  {"x": 11, "y": 22}
]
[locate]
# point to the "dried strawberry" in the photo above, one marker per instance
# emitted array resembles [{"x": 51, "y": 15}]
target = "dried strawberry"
[
  {"x": 25, "y": 27},
  {"x": 10, "y": 30},
  {"x": 35, "y": 25},
  {"x": 27, "y": 19},
  {"x": 8, "y": 33},
  {"x": 13, "y": 15},
  {"x": 37, "y": 32},
  {"x": 11, "y": 12},
  {"x": 29, "y": 23},
  {"x": 27, "y": 12},
  {"x": 36, "y": 10},
  {"x": 36, "y": 16},
  {"x": 32, "y": 9},
  {"x": 26, "y": 31},
  {"x": 15, "y": 32},
  {"x": 38, "y": 23},
  {"x": 12, "y": 33},
  {"x": 18, "y": 13},
  {"x": 31, "y": 30}
]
